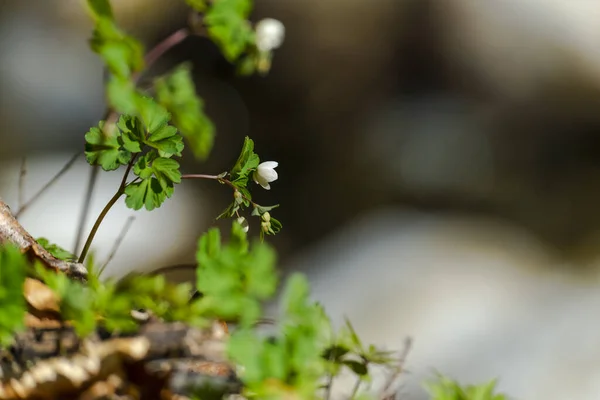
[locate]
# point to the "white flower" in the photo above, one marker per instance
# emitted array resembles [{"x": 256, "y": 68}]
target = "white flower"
[
  {"x": 269, "y": 34},
  {"x": 266, "y": 173}
]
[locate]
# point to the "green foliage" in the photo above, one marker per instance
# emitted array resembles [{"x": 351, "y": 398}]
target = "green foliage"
[
  {"x": 13, "y": 265},
  {"x": 290, "y": 362},
  {"x": 75, "y": 300},
  {"x": 177, "y": 93},
  {"x": 228, "y": 26},
  {"x": 103, "y": 148},
  {"x": 157, "y": 178},
  {"x": 447, "y": 389},
  {"x": 234, "y": 278},
  {"x": 56, "y": 250},
  {"x": 122, "y": 54}
]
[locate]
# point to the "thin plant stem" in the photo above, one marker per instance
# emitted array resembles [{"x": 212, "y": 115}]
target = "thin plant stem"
[
  {"x": 355, "y": 388},
  {"x": 104, "y": 212},
  {"x": 51, "y": 182},
  {"x": 117, "y": 243},
  {"x": 221, "y": 180},
  {"x": 22, "y": 174},
  {"x": 89, "y": 192}
]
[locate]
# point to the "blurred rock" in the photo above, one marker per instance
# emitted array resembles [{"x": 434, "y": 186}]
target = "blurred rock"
[{"x": 482, "y": 299}]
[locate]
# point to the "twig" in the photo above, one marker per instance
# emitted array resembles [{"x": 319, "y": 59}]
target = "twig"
[
  {"x": 387, "y": 394},
  {"x": 118, "y": 242},
  {"x": 21, "y": 199},
  {"x": 12, "y": 231},
  {"x": 51, "y": 182}
]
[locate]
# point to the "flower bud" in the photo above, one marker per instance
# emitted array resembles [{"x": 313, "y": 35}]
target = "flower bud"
[
  {"x": 266, "y": 216},
  {"x": 266, "y": 226},
  {"x": 237, "y": 196},
  {"x": 269, "y": 34}
]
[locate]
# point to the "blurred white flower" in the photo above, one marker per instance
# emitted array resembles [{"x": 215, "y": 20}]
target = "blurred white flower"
[
  {"x": 269, "y": 34},
  {"x": 265, "y": 173}
]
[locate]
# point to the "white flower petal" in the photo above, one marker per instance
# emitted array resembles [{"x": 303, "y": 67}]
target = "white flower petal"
[
  {"x": 266, "y": 186},
  {"x": 269, "y": 164},
  {"x": 269, "y": 175}
]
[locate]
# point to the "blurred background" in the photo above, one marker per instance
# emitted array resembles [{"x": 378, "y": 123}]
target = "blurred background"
[{"x": 439, "y": 168}]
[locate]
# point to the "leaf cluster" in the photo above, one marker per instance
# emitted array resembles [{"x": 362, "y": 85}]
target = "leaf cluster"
[
  {"x": 289, "y": 364},
  {"x": 447, "y": 389},
  {"x": 240, "y": 176},
  {"x": 234, "y": 278},
  {"x": 13, "y": 267}
]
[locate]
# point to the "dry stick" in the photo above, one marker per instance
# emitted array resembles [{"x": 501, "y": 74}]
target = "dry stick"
[
  {"x": 11, "y": 231},
  {"x": 51, "y": 182},
  {"x": 117, "y": 243},
  {"x": 21, "y": 198},
  {"x": 111, "y": 117},
  {"x": 386, "y": 394}
]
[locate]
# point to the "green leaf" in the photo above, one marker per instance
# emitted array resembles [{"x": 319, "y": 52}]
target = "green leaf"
[
  {"x": 100, "y": 8},
  {"x": 122, "y": 94},
  {"x": 132, "y": 134},
  {"x": 13, "y": 266},
  {"x": 153, "y": 115},
  {"x": 260, "y": 210},
  {"x": 246, "y": 163},
  {"x": 359, "y": 368},
  {"x": 166, "y": 170},
  {"x": 166, "y": 141},
  {"x": 103, "y": 148},
  {"x": 177, "y": 93},
  {"x": 158, "y": 174},
  {"x": 122, "y": 54},
  {"x": 147, "y": 193},
  {"x": 56, "y": 250},
  {"x": 228, "y": 26},
  {"x": 75, "y": 300}
]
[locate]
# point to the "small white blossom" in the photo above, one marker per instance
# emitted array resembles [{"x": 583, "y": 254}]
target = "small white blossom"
[
  {"x": 265, "y": 173},
  {"x": 269, "y": 34},
  {"x": 244, "y": 223}
]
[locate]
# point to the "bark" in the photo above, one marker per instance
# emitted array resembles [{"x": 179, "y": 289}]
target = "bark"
[
  {"x": 163, "y": 360},
  {"x": 11, "y": 231}
]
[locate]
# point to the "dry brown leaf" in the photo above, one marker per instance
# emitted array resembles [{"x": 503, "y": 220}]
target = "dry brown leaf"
[{"x": 40, "y": 296}]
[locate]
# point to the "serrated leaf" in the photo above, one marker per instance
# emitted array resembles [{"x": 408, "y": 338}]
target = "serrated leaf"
[
  {"x": 132, "y": 134},
  {"x": 166, "y": 169},
  {"x": 158, "y": 176},
  {"x": 148, "y": 193},
  {"x": 104, "y": 149},
  {"x": 166, "y": 141},
  {"x": 176, "y": 92}
]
